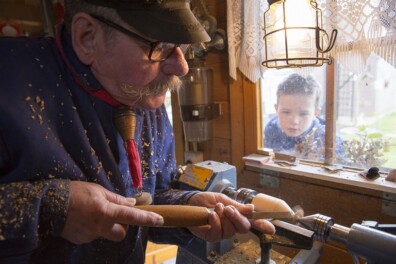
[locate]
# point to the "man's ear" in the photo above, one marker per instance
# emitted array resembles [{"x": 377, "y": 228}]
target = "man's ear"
[
  {"x": 276, "y": 107},
  {"x": 84, "y": 30}
]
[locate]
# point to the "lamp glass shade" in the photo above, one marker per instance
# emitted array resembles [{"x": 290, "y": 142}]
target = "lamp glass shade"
[{"x": 292, "y": 32}]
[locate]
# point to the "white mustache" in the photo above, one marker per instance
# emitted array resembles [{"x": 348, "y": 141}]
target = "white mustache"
[{"x": 154, "y": 89}]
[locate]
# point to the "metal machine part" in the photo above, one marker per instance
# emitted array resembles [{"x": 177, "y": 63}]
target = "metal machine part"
[
  {"x": 374, "y": 245},
  {"x": 208, "y": 176},
  {"x": 197, "y": 106},
  {"x": 319, "y": 223},
  {"x": 287, "y": 235},
  {"x": 242, "y": 195},
  {"x": 388, "y": 228}
]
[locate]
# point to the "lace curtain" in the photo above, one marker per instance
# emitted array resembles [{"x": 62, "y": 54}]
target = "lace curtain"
[{"x": 364, "y": 27}]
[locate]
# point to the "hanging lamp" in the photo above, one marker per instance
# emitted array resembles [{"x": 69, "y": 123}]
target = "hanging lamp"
[{"x": 294, "y": 35}]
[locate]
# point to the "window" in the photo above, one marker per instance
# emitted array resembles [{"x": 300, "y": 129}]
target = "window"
[
  {"x": 365, "y": 114},
  {"x": 361, "y": 86}
]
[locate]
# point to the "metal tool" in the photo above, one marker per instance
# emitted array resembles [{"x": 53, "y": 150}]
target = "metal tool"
[
  {"x": 374, "y": 245},
  {"x": 287, "y": 235}
]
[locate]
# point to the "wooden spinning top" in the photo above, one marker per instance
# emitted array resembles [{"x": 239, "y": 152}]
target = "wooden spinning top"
[{"x": 124, "y": 120}]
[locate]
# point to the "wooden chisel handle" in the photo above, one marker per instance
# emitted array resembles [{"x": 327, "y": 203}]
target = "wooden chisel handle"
[{"x": 179, "y": 215}]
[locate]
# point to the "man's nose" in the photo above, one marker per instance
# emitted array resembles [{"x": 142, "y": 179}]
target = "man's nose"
[{"x": 176, "y": 64}]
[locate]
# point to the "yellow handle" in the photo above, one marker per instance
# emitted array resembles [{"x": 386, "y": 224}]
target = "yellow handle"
[{"x": 179, "y": 215}]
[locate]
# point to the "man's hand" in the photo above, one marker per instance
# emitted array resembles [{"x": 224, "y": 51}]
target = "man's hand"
[
  {"x": 227, "y": 218},
  {"x": 96, "y": 212}
]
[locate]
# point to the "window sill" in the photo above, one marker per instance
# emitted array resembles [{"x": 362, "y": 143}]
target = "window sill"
[{"x": 347, "y": 177}]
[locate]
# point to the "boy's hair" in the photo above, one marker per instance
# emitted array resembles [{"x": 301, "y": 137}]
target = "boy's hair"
[{"x": 296, "y": 84}]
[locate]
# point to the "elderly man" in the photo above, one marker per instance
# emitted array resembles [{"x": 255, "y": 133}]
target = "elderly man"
[{"x": 67, "y": 176}]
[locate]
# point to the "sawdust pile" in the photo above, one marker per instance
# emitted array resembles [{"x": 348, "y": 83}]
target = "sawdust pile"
[{"x": 249, "y": 252}]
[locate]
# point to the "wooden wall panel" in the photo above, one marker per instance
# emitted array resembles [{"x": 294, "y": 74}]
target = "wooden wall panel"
[
  {"x": 220, "y": 81},
  {"x": 220, "y": 150},
  {"x": 237, "y": 122},
  {"x": 218, "y": 56},
  {"x": 28, "y": 14},
  {"x": 346, "y": 204},
  {"x": 221, "y": 126}
]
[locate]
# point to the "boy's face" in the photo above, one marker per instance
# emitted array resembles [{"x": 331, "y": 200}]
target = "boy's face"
[{"x": 295, "y": 113}]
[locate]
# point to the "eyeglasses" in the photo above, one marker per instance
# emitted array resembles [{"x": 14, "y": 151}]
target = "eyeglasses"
[{"x": 159, "y": 51}]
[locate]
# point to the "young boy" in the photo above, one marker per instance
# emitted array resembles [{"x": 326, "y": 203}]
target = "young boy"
[{"x": 297, "y": 129}]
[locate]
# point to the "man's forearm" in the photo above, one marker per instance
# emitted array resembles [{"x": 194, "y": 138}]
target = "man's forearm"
[{"x": 30, "y": 211}]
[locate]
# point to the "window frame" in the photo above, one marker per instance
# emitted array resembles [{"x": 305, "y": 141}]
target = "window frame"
[
  {"x": 311, "y": 169},
  {"x": 330, "y": 115}
]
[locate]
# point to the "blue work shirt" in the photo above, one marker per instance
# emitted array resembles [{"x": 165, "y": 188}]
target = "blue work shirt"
[
  {"x": 277, "y": 140},
  {"x": 52, "y": 132}
]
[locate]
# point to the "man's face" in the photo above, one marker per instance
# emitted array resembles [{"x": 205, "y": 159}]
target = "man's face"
[
  {"x": 295, "y": 113},
  {"x": 123, "y": 68}
]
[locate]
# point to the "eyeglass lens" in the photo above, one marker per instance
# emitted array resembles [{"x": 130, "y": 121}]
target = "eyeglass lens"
[{"x": 160, "y": 51}]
